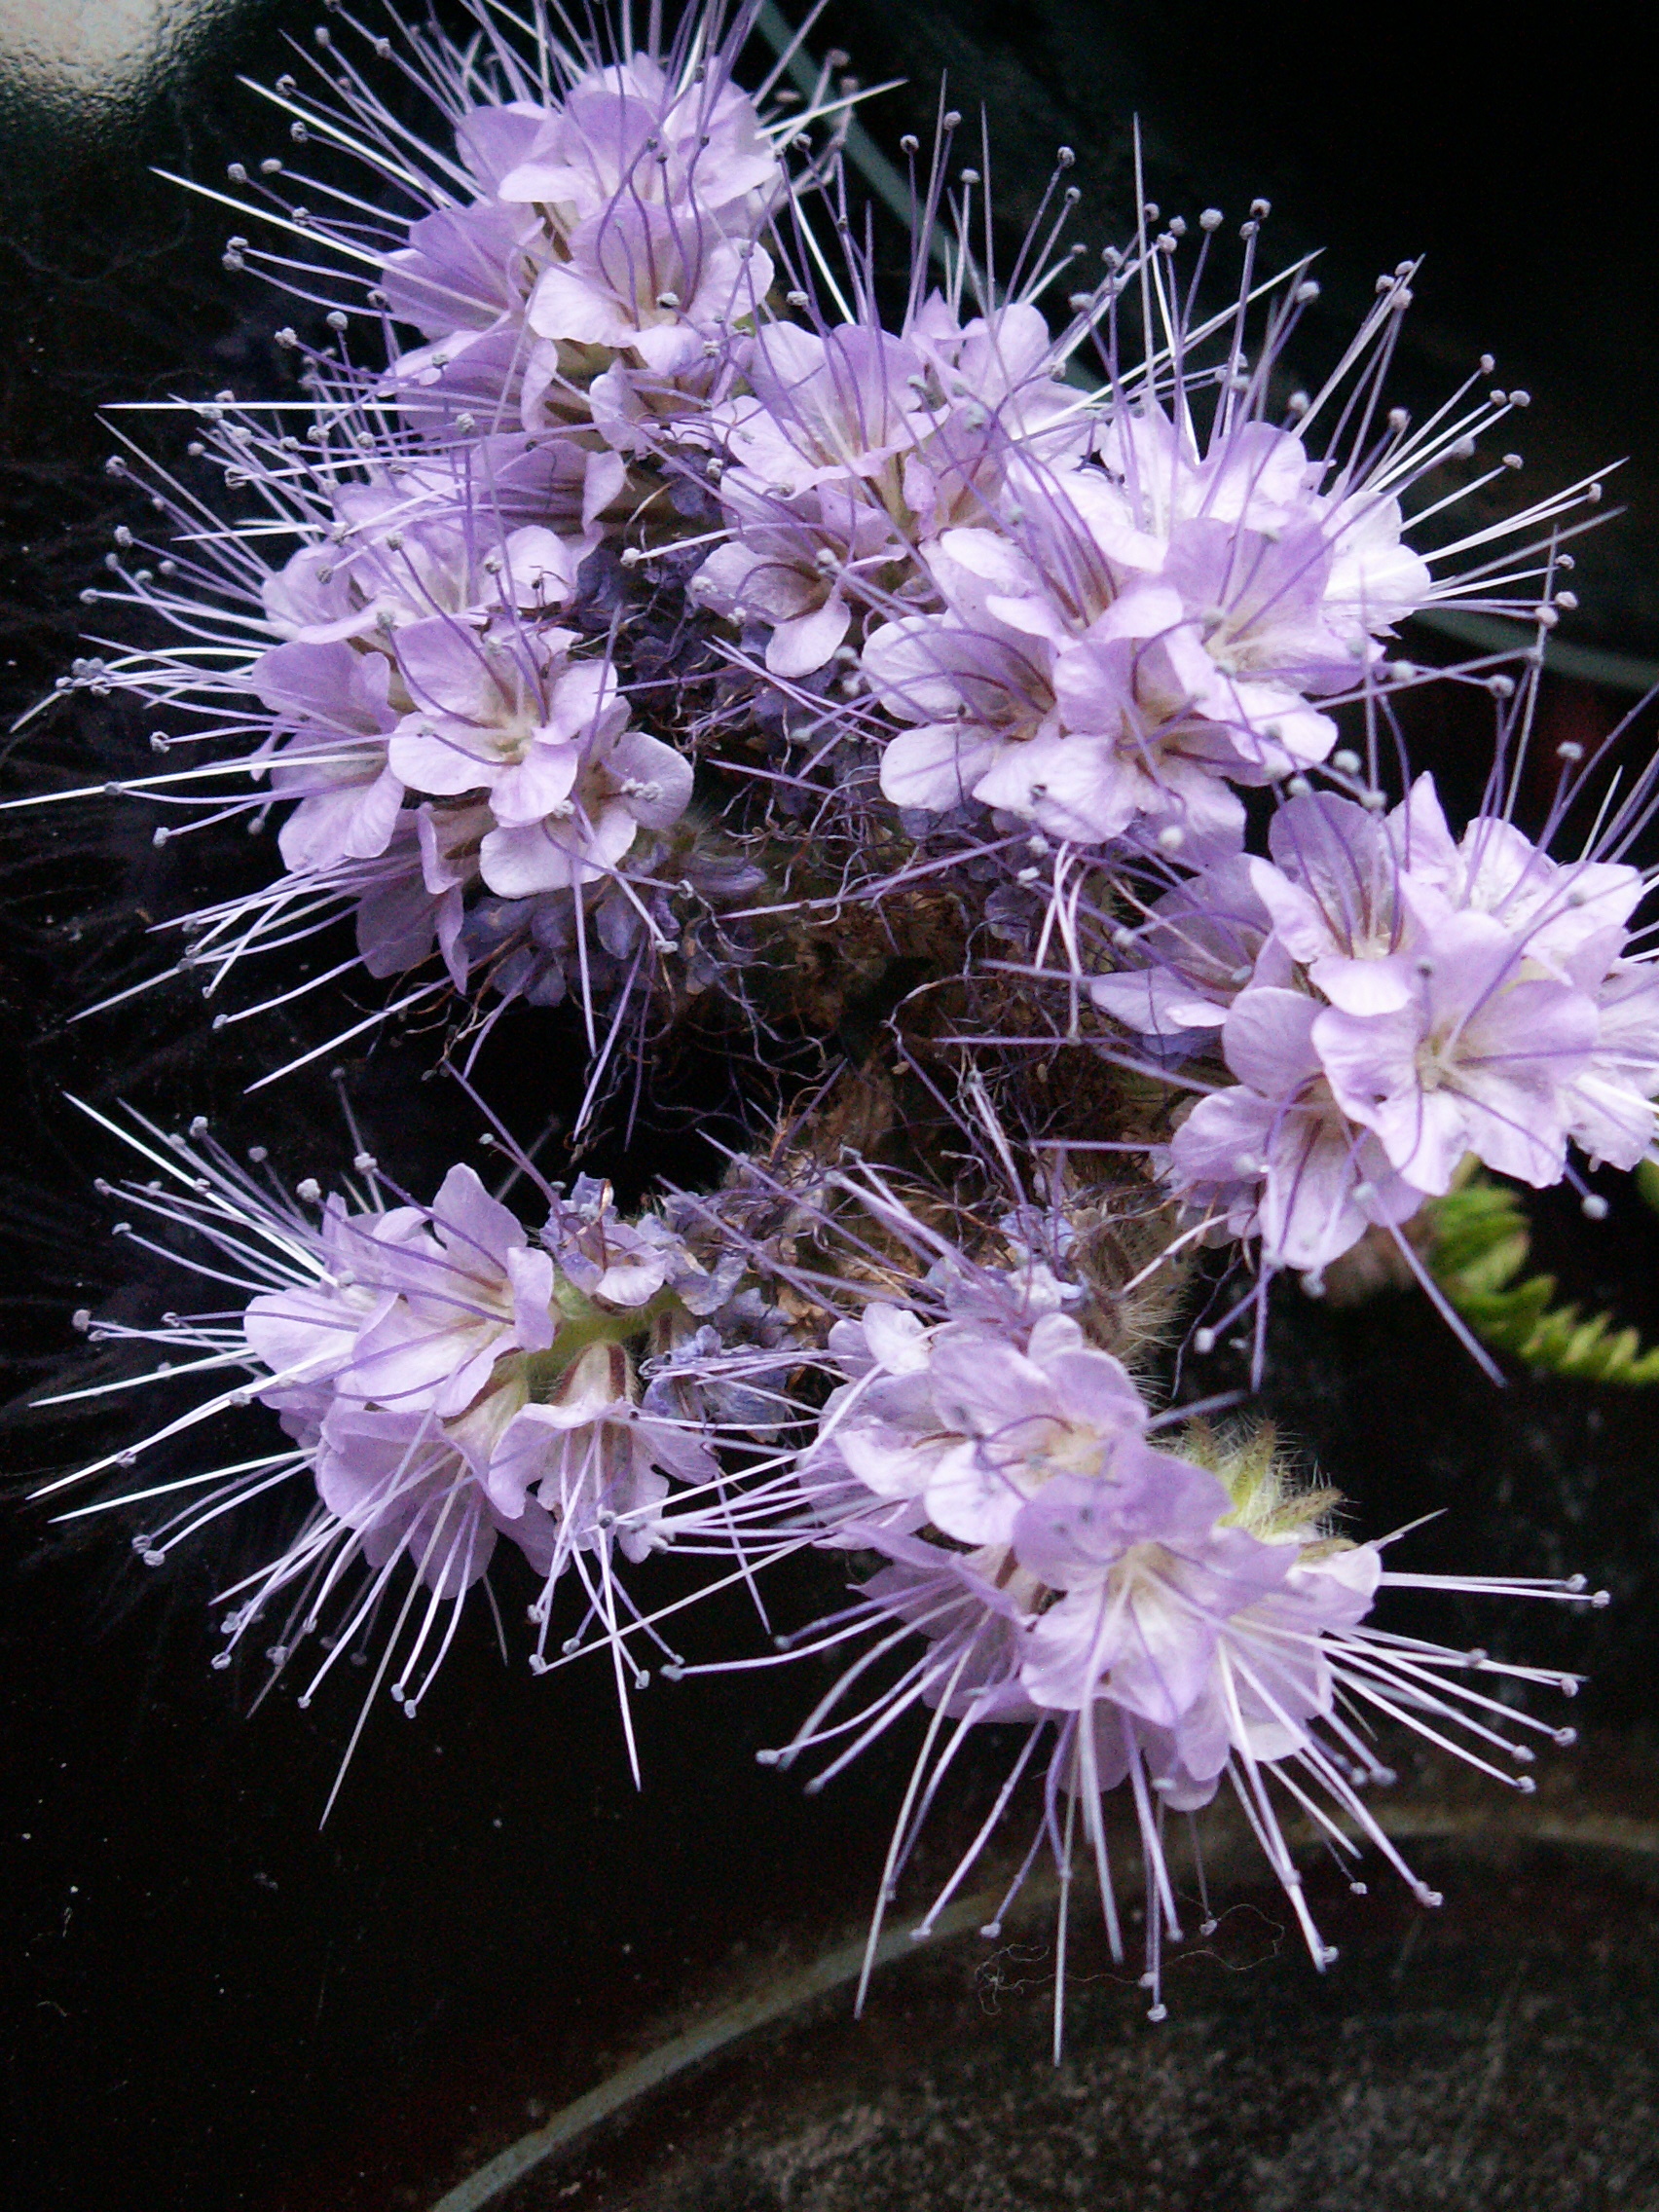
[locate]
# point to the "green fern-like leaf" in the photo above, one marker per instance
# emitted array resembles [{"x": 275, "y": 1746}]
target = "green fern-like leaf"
[{"x": 1479, "y": 1242}]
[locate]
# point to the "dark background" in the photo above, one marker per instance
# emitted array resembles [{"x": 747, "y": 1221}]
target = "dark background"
[{"x": 212, "y": 2004}]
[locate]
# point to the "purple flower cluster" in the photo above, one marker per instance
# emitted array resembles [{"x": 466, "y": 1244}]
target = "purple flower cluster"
[
  {"x": 1116, "y": 1573},
  {"x": 1089, "y": 596},
  {"x": 1149, "y": 632},
  {"x": 1390, "y": 1000},
  {"x": 608, "y": 240},
  {"x": 440, "y": 678},
  {"x": 445, "y": 1333},
  {"x": 450, "y": 1380},
  {"x": 661, "y": 605},
  {"x": 663, "y": 483},
  {"x": 425, "y": 703},
  {"x": 1168, "y": 1619}
]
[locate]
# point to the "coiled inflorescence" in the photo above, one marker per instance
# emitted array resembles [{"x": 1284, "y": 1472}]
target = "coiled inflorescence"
[{"x": 996, "y": 711}]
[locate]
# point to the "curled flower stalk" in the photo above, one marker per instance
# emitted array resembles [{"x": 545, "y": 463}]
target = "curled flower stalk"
[{"x": 671, "y": 631}]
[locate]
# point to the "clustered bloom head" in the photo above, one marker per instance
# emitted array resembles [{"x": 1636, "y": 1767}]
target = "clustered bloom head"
[
  {"x": 1388, "y": 1000},
  {"x": 1167, "y": 1617},
  {"x": 611, "y": 232},
  {"x": 451, "y": 1380},
  {"x": 427, "y": 698},
  {"x": 1077, "y": 583},
  {"x": 1091, "y": 598},
  {"x": 441, "y": 668},
  {"x": 1101, "y": 665}
]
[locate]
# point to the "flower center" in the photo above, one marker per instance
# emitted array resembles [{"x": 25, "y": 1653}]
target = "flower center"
[
  {"x": 1437, "y": 1062},
  {"x": 1064, "y": 1447}
]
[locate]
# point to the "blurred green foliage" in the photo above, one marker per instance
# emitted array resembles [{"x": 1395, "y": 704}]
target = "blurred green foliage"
[{"x": 1479, "y": 1243}]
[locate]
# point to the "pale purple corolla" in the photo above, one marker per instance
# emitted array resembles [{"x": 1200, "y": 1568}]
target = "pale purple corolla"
[
  {"x": 1079, "y": 711},
  {"x": 1610, "y": 1101},
  {"x": 1003, "y": 418},
  {"x": 412, "y": 900},
  {"x": 621, "y": 781},
  {"x": 1198, "y": 948},
  {"x": 468, "y": 266},
  {"x": 653, "y": 191},
  {"x": 1571, "y": 916},
  {"x": 406, "y": 1491},
  {"x": 432, "y": 543},
  {"x": 1150, "y": 1572},
  {"x": 507, "y": 713},
  {"x": 432, "y": 731},
  {"x": 621, "y": 216},
  {"x": 1175, "y": 617},
  {"x": 795, "y": 564},
  {"x": 447, "y": 1380},
  {"x": 840, "y": 408},
  {"x": 452, "y": 1289},
  {"x": 1156, "y": 736},
  {"x": 1286, "y": 581},
  {"x": 542, "y": 739},
  {"x": 959, "y": 1426},
  {"x": 851, "y": 446},
  {"x": 331, "y": 719},
  {"x": 975, "y": 688},
  {"x": 1117, "y": 1562},
  {"x": 1333, "y": 890},
  {"x": 1350, "y": 887},
  {"x": 653, "y": 282},
  {"x": 1476, "y": 1058},
  {"x": 631, "y": 131},
  {"x": 597, "y": 1463},
  {"x": 1273, "y": 1156}
]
